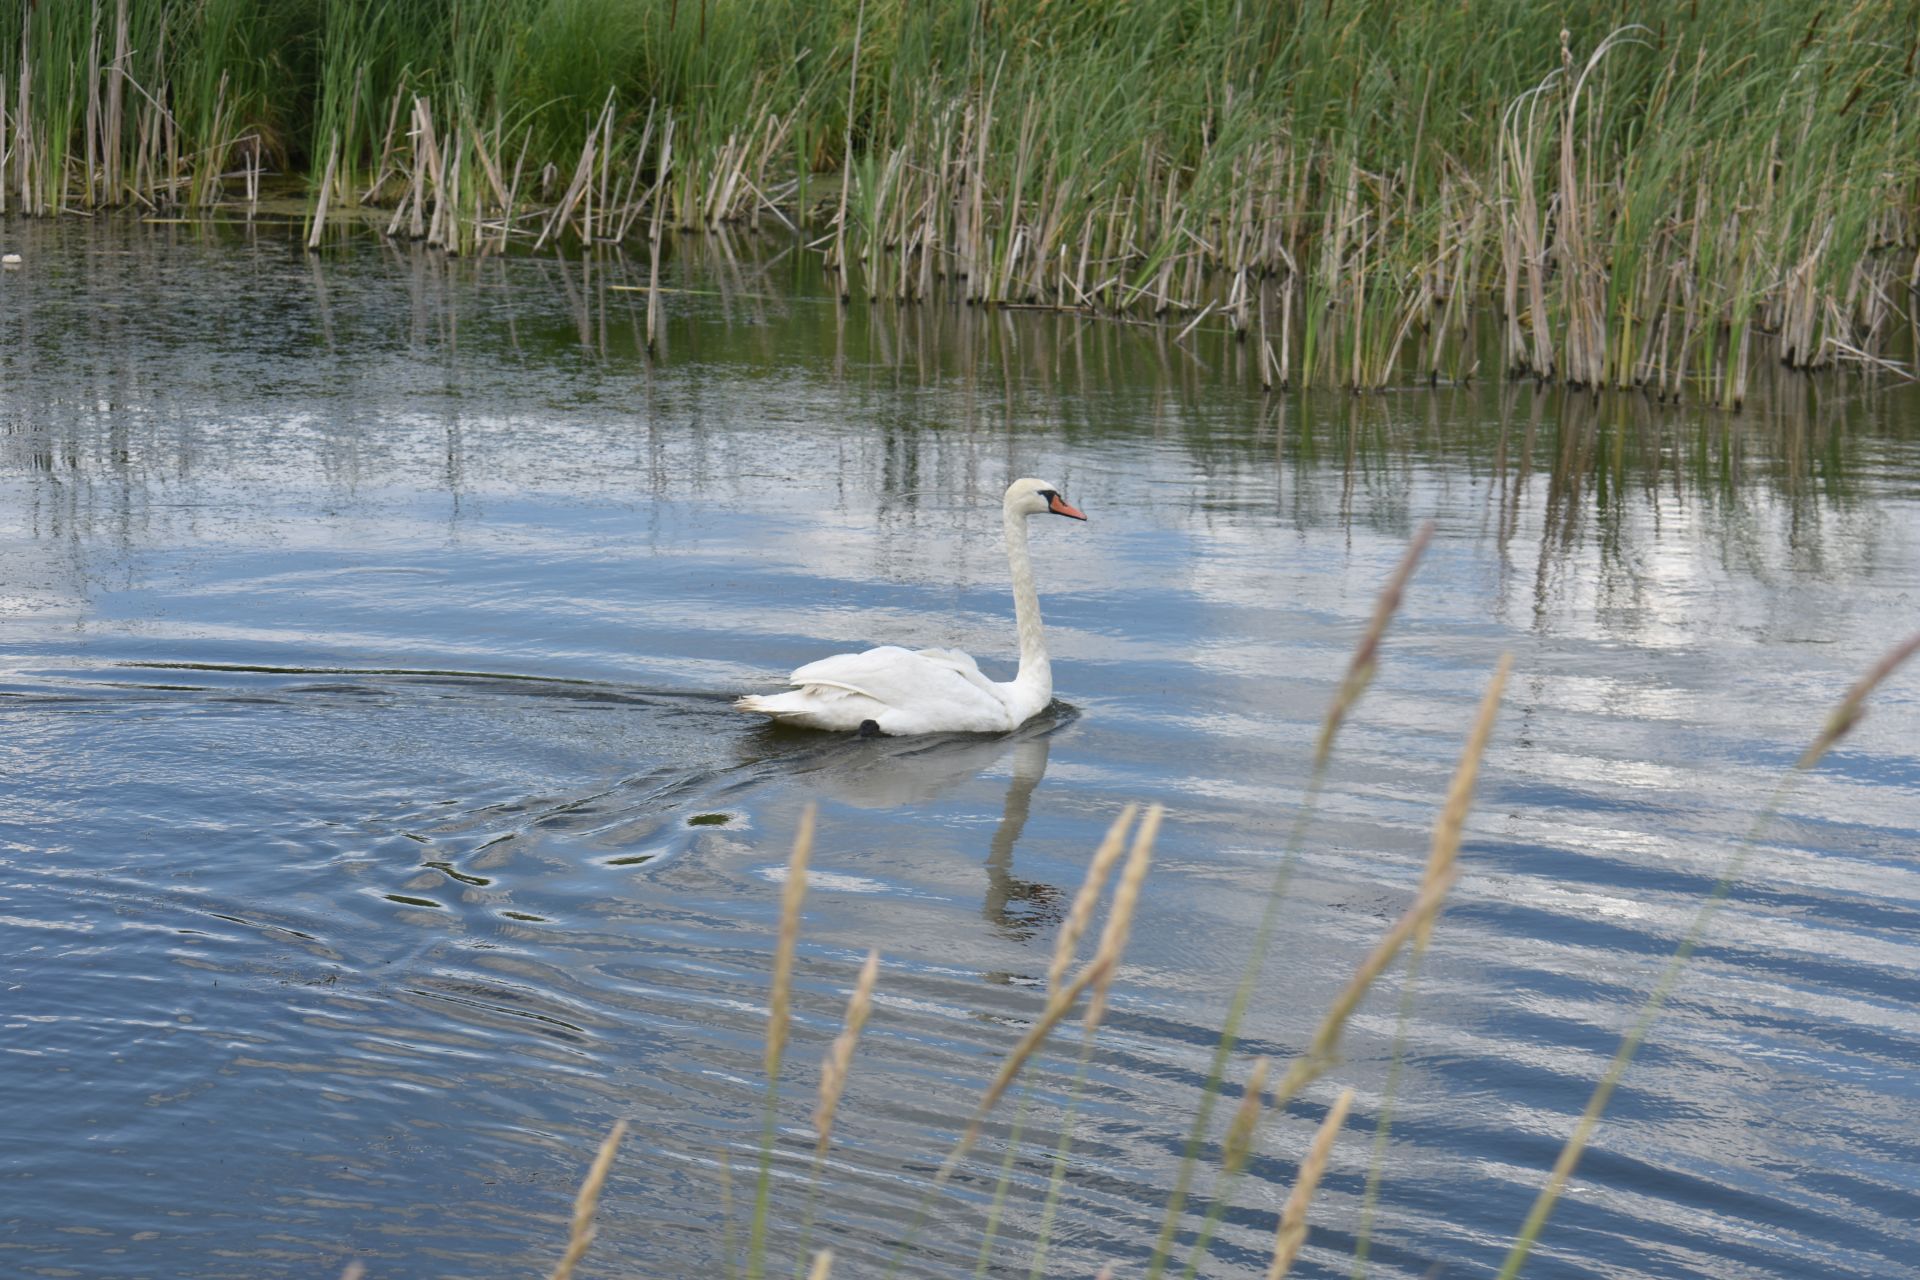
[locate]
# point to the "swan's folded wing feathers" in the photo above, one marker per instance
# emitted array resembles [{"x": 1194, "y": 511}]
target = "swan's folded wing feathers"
[
  {"x": 963, "y": 664},
  {"x": 899, "y": 677}
]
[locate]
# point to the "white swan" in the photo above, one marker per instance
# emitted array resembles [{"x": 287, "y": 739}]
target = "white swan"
[{"x": 903, "y": 691}]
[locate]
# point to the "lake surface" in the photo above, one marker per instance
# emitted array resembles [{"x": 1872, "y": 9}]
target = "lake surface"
[{"x": 375, "y": 830}]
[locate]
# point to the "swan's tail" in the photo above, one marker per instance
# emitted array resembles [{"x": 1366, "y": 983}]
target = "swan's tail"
[
  {"x": 757, "y": 704},
  {"x": 793, "y": 702}
]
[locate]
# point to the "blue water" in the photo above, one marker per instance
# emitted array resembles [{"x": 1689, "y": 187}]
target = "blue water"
[{"x": 376, "y": 832}]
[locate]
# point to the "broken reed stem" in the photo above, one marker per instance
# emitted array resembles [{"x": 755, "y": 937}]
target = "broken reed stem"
[
  {"x": 792, "y": 895},
  {"x": 1365, "y": 657},
  {"x": 822, "y": 1265},
  {"x": 587, "y": 1202},
  {"x": 1292, "y": 1232},
  {"x": 1841, "y": 722}
]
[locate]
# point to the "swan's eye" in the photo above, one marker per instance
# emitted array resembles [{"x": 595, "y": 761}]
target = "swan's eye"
[{"x": 1050, "y": 495}]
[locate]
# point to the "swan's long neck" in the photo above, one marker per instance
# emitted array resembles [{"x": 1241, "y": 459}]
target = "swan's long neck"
[{"x": 1036, "y": 672}]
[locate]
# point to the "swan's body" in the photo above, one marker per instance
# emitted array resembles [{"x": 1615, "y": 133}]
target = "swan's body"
[{"x": 907, "y": 691}]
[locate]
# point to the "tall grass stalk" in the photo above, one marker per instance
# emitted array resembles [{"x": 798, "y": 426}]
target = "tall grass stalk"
[
  {"x": 1839, "y": 723},
  {"x": 1291, "y": 1234},
  {"x": 1062, "y": 995},
  {"x": 793, "y": 895},
  {"x": 834, "y": 1069},
  {"x": 587, "y": 1203},
  {"x": 1360, "y": 671},
  {"x": 1417, "y": 925},
  {"x": 1066, "y": 945}
]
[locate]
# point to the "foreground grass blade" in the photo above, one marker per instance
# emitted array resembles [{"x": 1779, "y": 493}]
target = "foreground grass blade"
[
  {"x": 793, "y": 895},
  {"x": 1292, "y": 1232},
  {"x": 834, "y": 1069},
  {"x": 587, "y": 1202},
  {"x": 1842, "y": 720}
]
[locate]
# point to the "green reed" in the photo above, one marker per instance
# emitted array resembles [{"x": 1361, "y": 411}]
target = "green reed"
[{"x": 1660, "y": 200}]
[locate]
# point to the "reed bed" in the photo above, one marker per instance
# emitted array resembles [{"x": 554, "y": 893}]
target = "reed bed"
[{"x": 1630, "y": 196}]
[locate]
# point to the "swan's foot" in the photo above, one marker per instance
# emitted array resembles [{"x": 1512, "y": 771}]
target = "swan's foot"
[{"x": 869, "y": 728}]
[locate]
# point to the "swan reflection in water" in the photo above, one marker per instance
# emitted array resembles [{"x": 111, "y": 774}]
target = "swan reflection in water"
[{"x": 886, "y": 773}]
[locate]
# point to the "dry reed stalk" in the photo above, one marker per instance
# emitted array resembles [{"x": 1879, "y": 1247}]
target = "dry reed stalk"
[
  {"x": 386, "y": 145},
  {"x": 1445, "y": 850},
  {"x": 1319, "y": 1054},
  {"x": 822, "y": 1265},
  {"x": 419, "y": 146},
  {"x": 1088, "y": 898},
  {"x": 1366, "y": 655},
  {"x": 353, "y": 1271},
  {"x": 585, "y": 1204},
  {"x": 1292, "y": 1231},
  {"x": 487, "y": 165},
  {"x": 94, "y": 124},
  {"x": 23, "y": 122},
  {"x": 1097, "y": 973},
  {"x": 326, "y": 190},
  {"x": 654, "y": 231},
  {"x": 846, "y": 161},
  {"x": 1113, "y": 939},
  {"x": 112, "y": 142},
  {"x": 792, "y": 895},
  {"x": 577, "y": 187},
  {"x": 1246, "y": 1119},
  {"x": 839, "y": 1059}
]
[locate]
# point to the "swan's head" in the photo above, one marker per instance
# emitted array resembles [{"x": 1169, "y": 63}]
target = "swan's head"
[{"x": 1032, "y": 497}]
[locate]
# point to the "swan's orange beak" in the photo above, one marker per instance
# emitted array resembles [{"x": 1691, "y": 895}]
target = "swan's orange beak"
[{"x": 1058, "y": 505}]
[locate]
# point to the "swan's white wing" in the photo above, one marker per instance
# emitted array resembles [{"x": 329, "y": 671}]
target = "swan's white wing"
[
  {"x": 964, "y": 664},
  {"x": 898, "y": 677},
  {"x": 907, "y": 692}
]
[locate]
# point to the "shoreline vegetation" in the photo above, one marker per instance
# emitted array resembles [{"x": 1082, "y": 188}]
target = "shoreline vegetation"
[{"x": 1653, "y": 197}]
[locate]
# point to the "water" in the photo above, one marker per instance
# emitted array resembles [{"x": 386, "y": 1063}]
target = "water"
[{"x": 376, "y": 830}]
